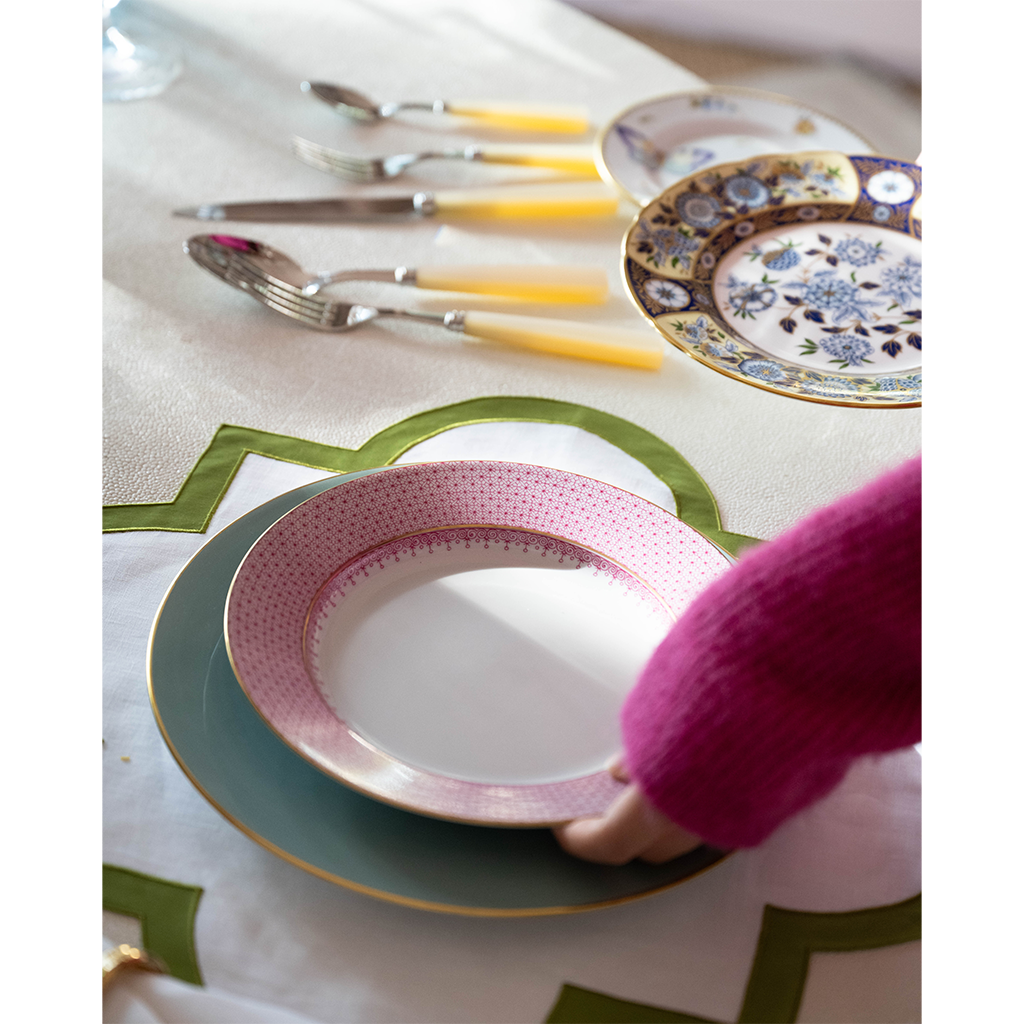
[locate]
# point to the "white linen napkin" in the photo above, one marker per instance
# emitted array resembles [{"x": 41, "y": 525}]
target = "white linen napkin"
[{"x": 141, "y": 997}]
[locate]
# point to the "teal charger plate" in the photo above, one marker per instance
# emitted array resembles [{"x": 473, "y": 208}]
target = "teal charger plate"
[{"x": 289, "y": 807}]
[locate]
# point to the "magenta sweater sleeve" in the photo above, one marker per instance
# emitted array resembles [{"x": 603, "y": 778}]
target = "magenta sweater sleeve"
[{"x": 802, "y": 657}]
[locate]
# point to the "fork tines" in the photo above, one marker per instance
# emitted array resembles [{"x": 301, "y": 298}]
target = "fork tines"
[
  {"x": 354, "y": 168},
  {"x": 319, "y": 313}
]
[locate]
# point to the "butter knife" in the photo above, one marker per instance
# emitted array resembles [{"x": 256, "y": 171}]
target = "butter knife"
[{"x": 575, "y": 199}]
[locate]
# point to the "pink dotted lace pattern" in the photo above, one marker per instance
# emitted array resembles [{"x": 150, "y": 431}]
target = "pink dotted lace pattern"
[
  {"x": 293, "y": 570},
  {"x": 467, "y": 537},
  {"x": 519, "y": 547}
]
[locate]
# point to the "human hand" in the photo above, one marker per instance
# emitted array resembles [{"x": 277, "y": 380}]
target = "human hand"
[{"x": 630, "y": 828}]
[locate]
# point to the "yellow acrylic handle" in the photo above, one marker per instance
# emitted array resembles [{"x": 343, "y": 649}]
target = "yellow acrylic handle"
[
  {"x": 563, "y": 157},
  {"x": 537, "y": 283},
  {"x": 539, "y": 117},
  {"x": 623, "y": 345},
  {"x": 557, "y": 199}
]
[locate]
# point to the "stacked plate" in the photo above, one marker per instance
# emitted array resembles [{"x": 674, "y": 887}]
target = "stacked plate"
[
  {"x": 768, "y": 249},
  {"x": 399, "y": 679}
]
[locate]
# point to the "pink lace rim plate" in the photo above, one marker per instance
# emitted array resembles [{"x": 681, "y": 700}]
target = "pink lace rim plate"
[{"x": 303, "y": 567}]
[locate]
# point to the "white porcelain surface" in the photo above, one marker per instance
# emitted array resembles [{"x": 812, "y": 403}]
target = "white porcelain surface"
[
  {"x": 799, "y": 273},
  {"x": 460, "y": 664},
  {"x": 860, "y": 279},
  {"x": 456, "y": 638},
  {"x": 653, "y": 144}
]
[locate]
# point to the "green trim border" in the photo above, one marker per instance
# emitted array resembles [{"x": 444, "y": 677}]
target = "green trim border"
[
  {"x": 777, "y": 977},
  {"x": 166, "y": 910},
  {"x": 197, "y": 500}
]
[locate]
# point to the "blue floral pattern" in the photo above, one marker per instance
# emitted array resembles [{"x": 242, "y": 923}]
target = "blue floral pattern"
[
  {"x": 828, "y": 387},
  {"x": 699, "y": 210},
  {"x": 783, "y": 259},
  {"x": 784, "y": 288},
  {"x": 668, "y": 233},
  {"x": 665, "y": 245},
  {"x": 808, "y": 180},
  {"x": 903, "y": 282},
  {"x": 697, "y": 331},
  {"x": 827, "y": 290},
  {"x": 858, "y": 253},
  {"x": 667, "y": 293},
  {"x": 847, "y": 349},
  {"x": 706, "y": 337},
  {"x": 713, "y": 103},
  {"x": 910, "y": 383},
  {"x": 837, "y": 292},
  {"x": 746, "y": 190},
  {"x": 890, "y": 186},
  {"x": 639, "y": 147},
  {"x": 748, "y": 298},
  {"x": 762, "y": 369}
]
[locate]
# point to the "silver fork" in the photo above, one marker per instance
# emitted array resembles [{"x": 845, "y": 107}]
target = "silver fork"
[
  {"x": 601, "y": 343},
  {"x": 320, "y": 314},
  {"x": 576, "y": 159},
  {"x": 367, "y": 169}
]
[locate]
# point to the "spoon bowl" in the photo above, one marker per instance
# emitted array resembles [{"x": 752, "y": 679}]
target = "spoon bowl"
[
  {"x": 261, "y": 257},
  {"x": 358, "y": 107},
  {"x": 232, "y": 264},
  {"x": 347, "y": 102},
  {"x": 532, "y": 283},
  {"x": 546, "y": 117}
]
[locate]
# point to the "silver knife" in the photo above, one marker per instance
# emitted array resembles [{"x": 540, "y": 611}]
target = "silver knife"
[{"x": 560, "y": 199}]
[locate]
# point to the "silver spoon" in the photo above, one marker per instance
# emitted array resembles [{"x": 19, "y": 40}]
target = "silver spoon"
[
  {"x": 625, "y": 346},
  {"x": 536, "y": 282},
  {"x": 536, "y": 116}
]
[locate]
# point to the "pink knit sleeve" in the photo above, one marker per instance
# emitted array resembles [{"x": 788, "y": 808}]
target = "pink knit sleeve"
[{"x": 801, "y": 658}]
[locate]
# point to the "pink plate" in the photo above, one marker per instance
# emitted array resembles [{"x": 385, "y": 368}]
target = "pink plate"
[{"x": 456, "y": 638}]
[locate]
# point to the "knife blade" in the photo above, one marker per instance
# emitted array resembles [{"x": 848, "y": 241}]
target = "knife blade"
[{"x": 575, "y": 199}]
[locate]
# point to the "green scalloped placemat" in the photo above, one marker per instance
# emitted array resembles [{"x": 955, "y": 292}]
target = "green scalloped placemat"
[
  {"x": 166, "y": 910},
  {"x": 201, "y": 493},
  {"x": 777, "y": 977}
]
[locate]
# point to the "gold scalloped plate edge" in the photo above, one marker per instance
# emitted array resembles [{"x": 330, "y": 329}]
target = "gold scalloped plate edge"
[
  {"x": 913, "y": 219},
  {"x": 728, "y": 90},
  {"x": 340, "y": 880},
  {"x": 409, "y": 901},
  {"x": 388, "y": 761}
]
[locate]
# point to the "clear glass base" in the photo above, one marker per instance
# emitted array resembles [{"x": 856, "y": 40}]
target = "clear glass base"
[{"x": 135, "y": 70}]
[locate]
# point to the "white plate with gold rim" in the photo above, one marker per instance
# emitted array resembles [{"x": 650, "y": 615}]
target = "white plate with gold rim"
[
  {"x": 282, "y": 802},
  {"x": 456, "y": 638},
  {"x": 799, "y": 273},
  {"x": 654, "y": 144}
]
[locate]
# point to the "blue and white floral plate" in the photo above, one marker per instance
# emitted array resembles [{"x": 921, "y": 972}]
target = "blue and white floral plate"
[
  {"x": 799, "y": 273},
  {"x": 653, "y": 144}
]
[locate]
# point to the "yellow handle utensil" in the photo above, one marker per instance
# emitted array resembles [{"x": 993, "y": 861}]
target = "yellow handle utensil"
[
  {"x": 574, "y": 159},
  {"x": 557, "y": 199},
  {"x": 534, "y": 283},
  {"x": 539, "y": 117},
  {"x": 622, "y": 345}
]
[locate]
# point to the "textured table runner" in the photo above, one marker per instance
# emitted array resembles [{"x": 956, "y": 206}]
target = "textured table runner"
[{"x": 842, "y": 877}]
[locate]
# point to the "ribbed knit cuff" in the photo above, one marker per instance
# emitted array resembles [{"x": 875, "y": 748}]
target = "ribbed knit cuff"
[{"x": 805, "y": 656}]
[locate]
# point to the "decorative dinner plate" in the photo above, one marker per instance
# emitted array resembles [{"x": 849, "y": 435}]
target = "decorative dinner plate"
[
  {"x": 799, "y": 273},
  {"x": 654, "y": 144},
  {"x": 286, "y": 805},
  {"x": 456, "y": 638}
]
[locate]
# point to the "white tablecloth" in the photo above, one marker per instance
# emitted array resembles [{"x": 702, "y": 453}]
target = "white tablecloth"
[{"x": 184, "y": 354}]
